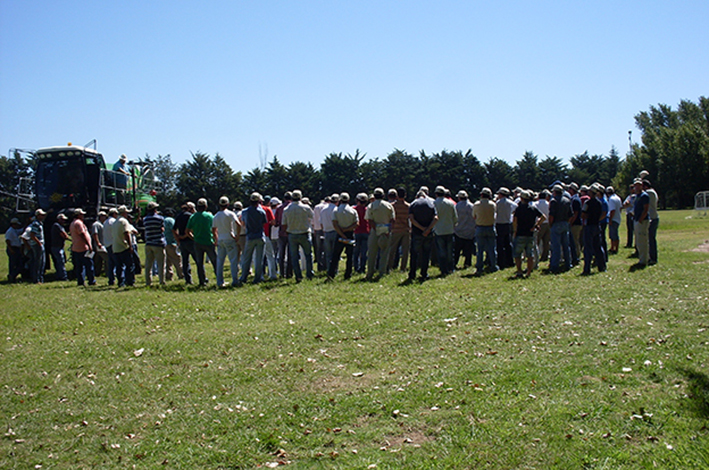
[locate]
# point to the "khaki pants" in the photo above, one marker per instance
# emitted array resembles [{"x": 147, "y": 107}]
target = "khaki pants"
[
  {"x": 642, "y": 240},
  {"x": 152, "y": 254},
  {"x": 396, "y": 239},
  {"x": 173, "y": 259},
  {"x": 378, "y": 245}
]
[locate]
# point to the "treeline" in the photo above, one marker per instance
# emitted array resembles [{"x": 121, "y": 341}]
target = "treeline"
[
  {"x": 212, "y": 177},
  {"x": 674, "y": 148}
]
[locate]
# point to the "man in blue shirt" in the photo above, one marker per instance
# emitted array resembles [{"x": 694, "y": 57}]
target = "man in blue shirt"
[{"x": 254, "y": 218}]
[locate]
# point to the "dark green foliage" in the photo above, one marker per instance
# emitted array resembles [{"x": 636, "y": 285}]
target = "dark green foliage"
[{"x": 674, "y": 150}]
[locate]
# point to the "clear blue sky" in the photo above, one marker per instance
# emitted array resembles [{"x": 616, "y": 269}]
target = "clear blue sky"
[{"x": 306, "y": 78}]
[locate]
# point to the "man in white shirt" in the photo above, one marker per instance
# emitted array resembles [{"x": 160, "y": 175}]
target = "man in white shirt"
[
  {"x": 330, "y": 235},
  {"x": 228, "y": 229},
  {"x": 318, "y": 235}
]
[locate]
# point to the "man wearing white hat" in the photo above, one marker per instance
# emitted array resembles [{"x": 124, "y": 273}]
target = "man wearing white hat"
[
  {"x": 201, "y": 230},
  {"x": 36, "y": 242},
  {"x": 254, "y": 218},
  {"x": 228, "y": 229},
  {"x": 59, "y": 236},
  {"x": 14, "y": 249},
  {"x": 81, "y": 255}
]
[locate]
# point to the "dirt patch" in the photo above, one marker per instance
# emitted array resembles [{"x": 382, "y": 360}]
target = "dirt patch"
[
  {"x": 412, "y": 438},
  {"x": 703, "y": 248}
]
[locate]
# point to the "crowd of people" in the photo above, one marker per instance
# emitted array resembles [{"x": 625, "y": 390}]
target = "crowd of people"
[{"x": 377, "y": 232}]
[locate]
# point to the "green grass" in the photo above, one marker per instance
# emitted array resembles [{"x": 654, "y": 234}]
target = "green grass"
[{"x": 606, "y": 371}]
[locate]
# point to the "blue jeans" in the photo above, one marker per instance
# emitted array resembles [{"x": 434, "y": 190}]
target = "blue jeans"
[
  {"x": 444, "y": 250},
  {"x": 227, "y": 249},
  {"x": 329, "y": 246},
  {"x": 559, "y": 243},
  {"x": 252, "y": 246},
  {"x": 486, "y": 240},
  {"x": 295, "y": 242},
  {"x": 83, "y": 266},
  {"x": 654, "y": 224},
  {"x": 125, "y": 274},
  {"x": 59, "y": 258},
  {"x": 360, "y": 252}
]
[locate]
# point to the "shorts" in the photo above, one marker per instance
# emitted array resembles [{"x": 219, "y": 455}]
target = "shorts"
[
  {"x": 613, "y": 231},
  {"x": 524, "y": 245}
]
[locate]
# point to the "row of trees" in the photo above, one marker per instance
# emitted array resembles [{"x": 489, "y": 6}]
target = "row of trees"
[
  {"x": 211, "y": 177},
  {"x": 674, "y": 149}
]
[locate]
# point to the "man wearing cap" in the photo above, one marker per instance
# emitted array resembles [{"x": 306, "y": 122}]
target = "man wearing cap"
[
  {"x": 318, "y": 234},
  {"x": 273, "y": 233},
  {"x": 285, "y": 266},
  {"x": 59, "y": 236},
  {"x": 575, "y": 223},
  {"x": 654, "y": 217},
  {"x": 185, "y": 240},
  {"x": 120, "y": 176},
  {"x": 36, "y": 244},
  {"x": 525, "y": 222},
  {"x": 297, "y": 221},
  {"x": 444, "y": 229},
  {"x": 155, "y": 243},
  {"x": 629, "y": 206},
  {"x": 14, "y": 249},
  {"x": 601, "y": 196},
  {"x": 559, "y": 215},
  {"x": 380, "y": 215},
  {"x": 228, "y": 230},
  {"x": 592, "y": 214},
  {"x": 423, "y": 218},
  {"x": 268, "y": 251},
  {"x": 327, "y": 214},
  {"x": 200, "y": 228},
  {"x": 505, "y": 207},
  {"x": 108, "y": 243},
  {"x": 400, "y": 231},
  {"x": 123, "y": 249},
  {"x": 484, "y": 212},
  {"x": 615, "y": 206},
  {"x": 344, "y": 221},
  {"x": 361, "y": 234},
  {"x": 254, "y": 218},
  {"x": 97, "y": 244},
  {"x": 173, "y": 259},
  {"x": 543, "y": 235},
  {"x": 642, "y": 224},
  {"x": 81, "y": 254},
  {"x": 464, "y": 231}
]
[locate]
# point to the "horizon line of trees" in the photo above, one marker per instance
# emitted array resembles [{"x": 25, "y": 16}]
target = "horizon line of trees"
[
  {"x": 212, "y": 177},
  {"x": 674, "y": 148}
]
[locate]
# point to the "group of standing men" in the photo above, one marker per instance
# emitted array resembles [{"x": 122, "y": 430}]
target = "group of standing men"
[{"x": 379, "y": 233}]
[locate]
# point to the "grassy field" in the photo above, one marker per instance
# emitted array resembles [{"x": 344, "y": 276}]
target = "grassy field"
[{"x": 606, "y": 371}]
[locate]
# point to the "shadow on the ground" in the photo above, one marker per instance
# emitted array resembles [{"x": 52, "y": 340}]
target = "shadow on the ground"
[{"x": 698, "y": 383}]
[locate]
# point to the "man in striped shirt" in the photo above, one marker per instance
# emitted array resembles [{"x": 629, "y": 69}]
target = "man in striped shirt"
[{"x": 155, "y": 243}]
